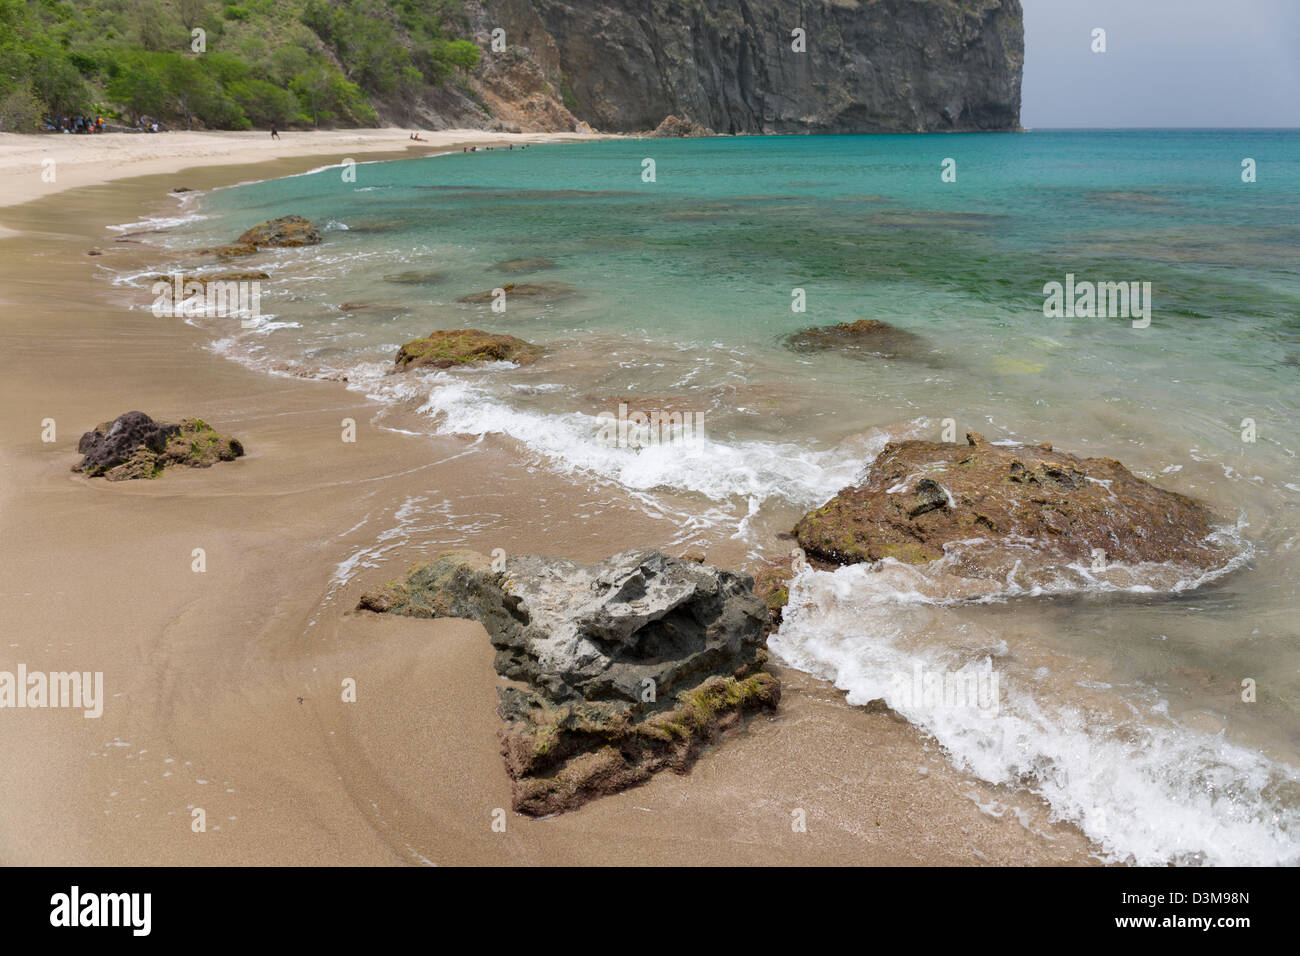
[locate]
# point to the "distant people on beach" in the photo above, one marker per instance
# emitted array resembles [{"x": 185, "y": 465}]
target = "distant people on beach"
[
  {"x": 74, "y": 124},
  {"x": 418, "y": 138},
  {"x": 274, "y": 133}
]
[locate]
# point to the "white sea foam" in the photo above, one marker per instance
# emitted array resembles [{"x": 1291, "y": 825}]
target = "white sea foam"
[
  {"x": 571, "y": 442},
  {"x": 1145, "y": 788},
  {"x": 156, "y": 223}
]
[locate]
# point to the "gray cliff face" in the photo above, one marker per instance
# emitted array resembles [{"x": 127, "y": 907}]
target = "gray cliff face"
[{"x": 870, "y": 66}]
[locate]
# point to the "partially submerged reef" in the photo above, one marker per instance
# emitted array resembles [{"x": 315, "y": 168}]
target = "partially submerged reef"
[
  {"x": 449, "y": 347},
  {"x": 545, "y": 291},
  {"x": 865, "y": 338},
  {"x": 133, "y": 445},
  {"x": 624, "y": 667}
]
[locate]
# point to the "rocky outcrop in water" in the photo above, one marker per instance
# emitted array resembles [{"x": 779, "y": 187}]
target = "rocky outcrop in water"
[
  {"x": 732, "y": 66},
  {"x": 547, "y": 291},
  {"x": 243, "y": 275},
  {"x": 133, "y": 445},
  {"x": 864, "y": 338},
  {"x": 626, "y": 667},
  {"x": 450, "y": 347},
  {"x": 281, "y": 232},
  {"x": 1034, "y": 504}
]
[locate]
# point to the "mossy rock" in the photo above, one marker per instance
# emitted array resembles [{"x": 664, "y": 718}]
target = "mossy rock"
[
  {"x": 234, "y": 250},
  {"x": 282, "y": 232},
  {"x": 199, "y": 445},
  {"x": 560, "y": 758},
  {"x": 134, "y": 446},
  {"x": 447, "y": 348}
]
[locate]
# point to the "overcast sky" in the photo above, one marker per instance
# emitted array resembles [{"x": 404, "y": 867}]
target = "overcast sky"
[{"x": 1207, "y": 63}]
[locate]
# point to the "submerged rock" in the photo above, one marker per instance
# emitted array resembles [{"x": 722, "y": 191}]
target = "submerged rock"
[
  {"x": 450, "y": 347},
  {"x": 416, "y": 277},
  {"x": 629, "y": 665},
  {"x": 1033, "y": 503},
  {"x": 281, "y": 232},
  {"x": 524, "y": 265},
  {"x": 135, "y": 446},
  {"x": 244, "y": 275},
  {"x": 863, "y": 338},
  {"x": 232, "y": 251},
  {"x": 533, "y": 290}
]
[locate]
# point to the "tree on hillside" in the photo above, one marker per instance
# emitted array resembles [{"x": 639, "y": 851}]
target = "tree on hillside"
[
  {"x": 139, "y": 87},
  {"x": 191, "y": 12}
]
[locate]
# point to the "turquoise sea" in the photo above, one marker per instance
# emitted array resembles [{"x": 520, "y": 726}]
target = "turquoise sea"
[{"x": 1121, "y": 693}]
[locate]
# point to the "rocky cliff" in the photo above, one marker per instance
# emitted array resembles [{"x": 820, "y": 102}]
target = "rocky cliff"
[{"x": 736, "y": 66}]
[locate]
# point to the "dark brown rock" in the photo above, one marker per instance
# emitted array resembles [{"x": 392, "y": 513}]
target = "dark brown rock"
[
  {"x": 864, "y": 338},
  {"x": 243, "y": 275},
  {"x": 919, "y": 496},
  {"x": 527, "y": 290},
  {"x": 524, "y": 265}
]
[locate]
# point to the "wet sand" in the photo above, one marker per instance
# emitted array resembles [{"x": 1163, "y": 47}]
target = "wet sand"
[{"x": 223, "y": 688}]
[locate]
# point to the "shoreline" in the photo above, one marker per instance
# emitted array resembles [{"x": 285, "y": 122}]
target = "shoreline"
[
  {"x": 97, "y": 159},
  {"x": 205, "y": 672}
]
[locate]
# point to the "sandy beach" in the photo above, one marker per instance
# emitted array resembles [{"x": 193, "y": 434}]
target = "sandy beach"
[
  {"x": 88, "y": 160},
  {"x": 222, "y": 687}
]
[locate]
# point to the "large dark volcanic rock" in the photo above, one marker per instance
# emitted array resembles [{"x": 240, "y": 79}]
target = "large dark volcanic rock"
[
  {"x": 629, "y": 665},
  {"x": 112, "y": 443}
]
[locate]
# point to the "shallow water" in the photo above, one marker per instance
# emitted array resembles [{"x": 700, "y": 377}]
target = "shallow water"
[{"x": 1120, "y": 694}]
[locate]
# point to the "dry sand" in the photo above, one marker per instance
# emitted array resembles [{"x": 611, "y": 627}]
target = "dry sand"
[
  {"x": 87, "y": 160},
  {"x": 223, "y": 687}
]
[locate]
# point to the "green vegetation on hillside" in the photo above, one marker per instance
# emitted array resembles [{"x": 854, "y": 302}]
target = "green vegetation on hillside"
[{"x": 208, "y": 64}]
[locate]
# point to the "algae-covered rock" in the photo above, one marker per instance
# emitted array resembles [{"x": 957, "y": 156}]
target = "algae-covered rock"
[
  {"x": 559, "y": 757},
  {"x": 446, "y": 348},
  {"x": 281, "y": 232},
  {"x": 550, "y": 291},
  {"x": 864, "y": 338},
  {"x": 241, "y": 275},
  {"x": 1032, "y": 504},
  {"x": 524, "y": 265},
  {"x": 629, "y": 665},
  {"x": 133, "y": 445},
  {"x": 234, "y": 250},
  {"x": 772, "y": 586}
]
